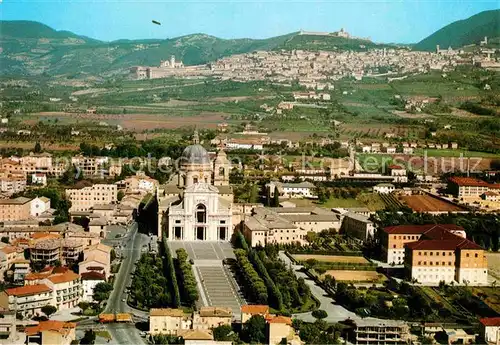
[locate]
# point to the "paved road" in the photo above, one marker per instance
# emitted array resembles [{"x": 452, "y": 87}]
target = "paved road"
[
  {"x": 335, "y": 312},
  {"x": 125, "y": 334}
]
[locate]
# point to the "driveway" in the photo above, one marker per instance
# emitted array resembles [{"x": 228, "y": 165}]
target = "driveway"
[{"x": 335, "y": 312}]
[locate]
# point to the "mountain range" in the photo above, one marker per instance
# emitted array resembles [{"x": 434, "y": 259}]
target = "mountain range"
[{"x": 32, "y": 48}]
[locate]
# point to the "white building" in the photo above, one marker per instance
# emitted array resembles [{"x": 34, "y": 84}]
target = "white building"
[
  {"x": 85, "y": 198},
  {"x": 89, "y": 282},
  {"x": 384, "y": 188},
  {"x": 292, "y": 190},
  {"x": 39, "y": 205},
  {"x": 491, "y": 329},
  {"x": 39, "y": 178}
]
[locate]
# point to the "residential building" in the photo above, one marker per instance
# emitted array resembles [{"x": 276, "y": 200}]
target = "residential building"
[
  {"x": 47, "y": 250},
  {"x": 96, "y": 258},
  {"x": 394, "y": 238},
  {"x": 168, "y": 321},
  {"x": 89, "y": 282},
  {"x": 211, "y": 317},
  {"x": 85, "y": 198},
  {"x": 249, "y": 310},
  {"x": 490, "y": 330},
  {"x": 39, "y": 179},
  {"x": 26, "y": 300},
  {"x": 292, "y": 190},
  {"x": 66, "y": 289},
  {"x": 380, "y": 332},
  {"x": 399, "y": 173},
  {"x": 279, "y": 327},
  {"x": 51, "y": 333},
  {"x": 15, "y": 209},
  {"x": 384, "y": 188},
  {"x": 8, "y": 255},
  {"x": 20, "y": 268},
  {"x": 12, "y": 184},
  {"x": 140, "y": 182}
]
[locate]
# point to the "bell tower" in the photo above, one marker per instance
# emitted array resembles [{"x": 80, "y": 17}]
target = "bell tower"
[{"x": 221, "y": 169}]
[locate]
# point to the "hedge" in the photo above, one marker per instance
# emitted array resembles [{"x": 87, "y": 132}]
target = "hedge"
[
  {"x": 170, "y": 274},
  {"x": 185, "y": 270},
  {"x": 256, "y": 285}
]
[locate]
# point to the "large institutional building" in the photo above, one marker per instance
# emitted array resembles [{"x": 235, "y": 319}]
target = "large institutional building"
[{"x": 197, "y": 203}]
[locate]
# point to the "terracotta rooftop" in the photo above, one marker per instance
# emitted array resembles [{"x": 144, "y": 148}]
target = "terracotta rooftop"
[
  {"x": 419, "y": 229},
  {"x": 93, "y": 275},
  {"x": 459, "y": 243},
  {"x": 195, "y": 334},
  {"x": 468, "y": 181},
  {"x": 280, "y": 319},
  {"x": 51, "y": 325},
  {"x": 490, "y": 321},
  {"x": 255, "y": 309},
  {"x": 28, "y": 290},
  {"x": 64, "y": 278}
]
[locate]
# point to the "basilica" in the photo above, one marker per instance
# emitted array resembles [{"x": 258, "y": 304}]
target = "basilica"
[{"x": 197, "y": 202}]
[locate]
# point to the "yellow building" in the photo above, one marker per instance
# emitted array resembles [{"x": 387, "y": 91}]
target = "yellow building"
[
  {"x": 51, "y": 333},
  {"x": 249, "y": 310},
  {"x": 168, "y": 321},
  {"x": 15, "y": 209},
  {"x": 85, "y": 198}
]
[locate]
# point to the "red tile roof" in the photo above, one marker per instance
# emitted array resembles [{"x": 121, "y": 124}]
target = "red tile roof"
[
  {"x": 28, "y": 290},
  {"x": 419, "y": 229},
  {"x": 468, "y": 181},
  {"x": 93, "y": 275},
  {"x": 490, "y": 321},
  {"x": 280, "y": 319},
  {"x": 51, "y": 325},
  {"x": 64, "y": 278},
  {"x": 393, "y": 166},
  {"x": 459, "y": 243},
  {"x": 255, "y": 309}
]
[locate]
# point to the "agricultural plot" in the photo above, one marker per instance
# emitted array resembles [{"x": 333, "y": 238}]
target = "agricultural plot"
[
  {"x": 331, "y": 258},
  {"x": 391, "y": 201},
  {"x": 356, "y": 276},
  {"x": 428, "y": 203}
]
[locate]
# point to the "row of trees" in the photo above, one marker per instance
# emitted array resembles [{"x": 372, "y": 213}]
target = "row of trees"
[
  {"x": 275, "y": 298},
  {"x": 149, "y": 287},
  {"x": 186, "y": 277},
  {"x": 171, "y": 277},
  {"x": 254, "y": 285}
]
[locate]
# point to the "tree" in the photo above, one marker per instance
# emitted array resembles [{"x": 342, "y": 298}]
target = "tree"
[
  {"x": 84, "y": 305},
  {"x": 320, "y": 314},
  {"x": 254, "y": 330},
  {"x": 276, "y": 198},
  {"x": 5, "y": 239},
  {"x": 38, "y": 148},
  {"x": 224, "y": 333},
  {"x": 88, "y": 338},
  {"x": 102, "y": 291},
  {"x": 112, "y": 255},
  {"x": 48, "y": 309},
  {"x": 120, "y": 195}
]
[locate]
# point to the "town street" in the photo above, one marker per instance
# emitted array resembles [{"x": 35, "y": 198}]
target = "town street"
[{"x": 131, "y": 250}]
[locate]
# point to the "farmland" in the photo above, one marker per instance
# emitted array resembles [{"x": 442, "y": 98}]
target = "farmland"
[
  {"x": 428, "y": 203},
  {"x": 331, "y": 258},
  {"x": 391, "y": 201},
  {"x": 356, "y": 276}
]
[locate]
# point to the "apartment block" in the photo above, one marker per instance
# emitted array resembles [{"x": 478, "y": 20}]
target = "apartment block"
[
  {"x": 168, "y": 321},
  {"x": 380, "y": 332},
  {"x": 85, "y": 198},
  {"x": 15, "y": 209},
  {"x": 26, "y": 300}
]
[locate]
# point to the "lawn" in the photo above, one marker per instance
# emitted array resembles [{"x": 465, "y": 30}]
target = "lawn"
[
  {"x": 343, "y": 203},
  {"x": 331, "y": 258},
  {"x": 104, "y": 334},
  {"x": 356, "y": 276}
]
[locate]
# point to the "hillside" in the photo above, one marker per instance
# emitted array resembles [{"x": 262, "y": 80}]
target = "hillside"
[
  {"x": 463, "y": 32},
  {"x": 31, "y": 48}
]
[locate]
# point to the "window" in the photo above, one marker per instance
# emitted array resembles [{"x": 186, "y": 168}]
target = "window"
[
  {"x": 444, "y": 253},
  {"x": 201, "y": 213},
  {"x": 467, "y": 255},
  {"x": 437, "y": 253},
  {"x": 476, "y": 255},
  {"x": 430, "y": 254}
]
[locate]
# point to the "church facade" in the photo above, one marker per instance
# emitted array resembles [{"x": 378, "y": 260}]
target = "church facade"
[{"x": 197, "y": 202}]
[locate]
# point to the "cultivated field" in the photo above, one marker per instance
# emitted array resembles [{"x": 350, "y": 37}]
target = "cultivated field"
[
  {"x": 331, "y": 258},
  {"x": 355, "y": 276},
  {"x": 427, "y": 203},
  {"x": 141, "y": 122},
  {"x": 490, "y": 295}
]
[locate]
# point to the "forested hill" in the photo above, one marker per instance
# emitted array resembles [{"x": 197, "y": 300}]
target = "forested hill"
[{"x": 464, "y": 32}]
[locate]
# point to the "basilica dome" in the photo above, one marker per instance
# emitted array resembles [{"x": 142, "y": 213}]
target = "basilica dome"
[{"x": 195, "y": 154}]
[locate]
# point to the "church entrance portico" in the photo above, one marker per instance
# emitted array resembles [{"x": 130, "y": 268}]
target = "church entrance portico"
[{"x": 200, "y": 233}]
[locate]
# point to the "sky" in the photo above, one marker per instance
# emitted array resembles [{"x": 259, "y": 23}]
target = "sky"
[{"x": 388, "y": 21}]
